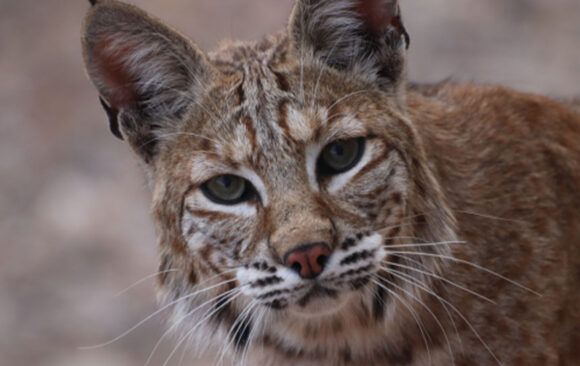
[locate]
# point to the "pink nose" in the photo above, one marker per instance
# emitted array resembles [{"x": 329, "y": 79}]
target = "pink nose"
[{"x": 308, "y": 260}]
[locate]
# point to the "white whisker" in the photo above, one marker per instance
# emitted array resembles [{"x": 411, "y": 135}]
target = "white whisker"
[
  {"x": 429, "y": 311},
  {"x": 405, "y": 277},
  {"x": 420, "y": 245},
  {"x": 376, "y": 280},
  {"x": 201, "y": 322},
  {"x": 137, "y": 283},
  {"x": 177, "y": 322},
  {"x": 104, "y": 344},
  {"x": 430, "y": 274},
  {"x": 469, "y": 264}
]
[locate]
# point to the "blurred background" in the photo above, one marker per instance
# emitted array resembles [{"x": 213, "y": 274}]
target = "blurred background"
[{"x": 74, "y": 208}]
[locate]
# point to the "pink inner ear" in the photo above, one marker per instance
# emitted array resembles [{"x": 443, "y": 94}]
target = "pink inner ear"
[
  {"x": 114, "y": 73},
  {"x": 378, "y": 13}
]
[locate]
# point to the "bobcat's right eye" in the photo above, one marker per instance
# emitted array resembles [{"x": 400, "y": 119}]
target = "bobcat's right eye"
[
  {"x": 227, "y": 189},
  {"x": 340, "y": 156}
]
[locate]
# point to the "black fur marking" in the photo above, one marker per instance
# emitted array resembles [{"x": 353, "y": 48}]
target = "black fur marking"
[
  {"x": 349, "y": 242},
  {"x": 277, "y": 304},
  {"x": 112, "y": 114},
  {"x": 355, "y": 257},
  {"x": 223, "y": 310},
  {"x": 93, "y": 2},
  {"x": 379, "y": 303},
  {"x": 282, "y": 82},
  {"x": 272, "y": 293},
  {"x": 241, "y": 334},
  {"x": 272, "y": 280}
]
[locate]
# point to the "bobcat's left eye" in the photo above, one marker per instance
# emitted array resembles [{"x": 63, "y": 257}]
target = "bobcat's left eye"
[
  {"x": 340, "y": 156},
  {"x": 227, "y": 189}
]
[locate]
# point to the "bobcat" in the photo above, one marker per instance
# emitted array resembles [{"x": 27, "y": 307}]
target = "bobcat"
[{"x": 315, "y": 208}]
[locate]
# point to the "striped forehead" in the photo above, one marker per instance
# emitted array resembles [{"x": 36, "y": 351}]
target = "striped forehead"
[{"x": 264, "y": 127}]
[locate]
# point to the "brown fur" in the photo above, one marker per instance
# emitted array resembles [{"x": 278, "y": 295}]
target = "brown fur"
[{"x": 454, "y": 241}]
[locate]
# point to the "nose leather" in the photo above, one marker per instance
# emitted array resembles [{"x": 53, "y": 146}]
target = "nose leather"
[{"x": 308, "y": 260}]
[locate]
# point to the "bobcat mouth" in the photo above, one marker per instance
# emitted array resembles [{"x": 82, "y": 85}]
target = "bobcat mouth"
[{"x": 317, "y": 291}]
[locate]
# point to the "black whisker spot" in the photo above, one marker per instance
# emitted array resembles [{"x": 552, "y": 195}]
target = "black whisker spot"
[
  {"x": 349, "y": 242},
  {"x": 277, "y": 304},
  {"x": 355, "y": 257},
  {"x": 272, "y": 280}
]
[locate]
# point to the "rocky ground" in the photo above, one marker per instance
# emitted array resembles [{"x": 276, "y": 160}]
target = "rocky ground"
[{"x": 74, "y": 216}]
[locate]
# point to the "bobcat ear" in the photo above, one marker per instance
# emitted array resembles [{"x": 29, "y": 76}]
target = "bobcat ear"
[
  {"x": 366, "y": 37},
  {"x": 147, "y": 74}
]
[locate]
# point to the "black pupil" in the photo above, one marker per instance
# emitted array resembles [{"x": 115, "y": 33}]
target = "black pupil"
[
  {"x": 337, "y": 149},
  {"x": 225, "y": 181}
]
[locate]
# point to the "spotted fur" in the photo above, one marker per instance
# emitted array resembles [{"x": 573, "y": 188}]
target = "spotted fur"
[{"x": 453, "y": 241}]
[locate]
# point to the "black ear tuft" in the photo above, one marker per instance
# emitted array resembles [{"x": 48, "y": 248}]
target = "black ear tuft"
[
  {"x": 93, "y": 2},
  {"x": 112, "y": 115}
]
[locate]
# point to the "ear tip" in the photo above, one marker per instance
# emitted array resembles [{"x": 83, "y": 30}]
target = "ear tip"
[{"x": 93, "y": 2}]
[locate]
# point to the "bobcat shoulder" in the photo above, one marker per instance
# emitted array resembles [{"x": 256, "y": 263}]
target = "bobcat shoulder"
[{"x": 315, "y": 208}]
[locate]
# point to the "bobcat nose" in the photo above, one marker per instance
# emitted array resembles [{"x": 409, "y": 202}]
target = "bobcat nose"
[{"x": 308, "y": 260}]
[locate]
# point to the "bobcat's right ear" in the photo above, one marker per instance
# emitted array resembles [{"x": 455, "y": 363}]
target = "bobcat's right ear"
[
  {"x": 366, "y": 38},
  {"x": 147, "y": 74}
]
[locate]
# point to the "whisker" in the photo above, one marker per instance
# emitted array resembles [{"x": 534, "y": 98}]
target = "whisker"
[
  {"x": 201, "y": 322},
  {"x": 434, "y": 275},
  {"x": 462, "y": 261},
  {"x": 376, "y": 280},
  {"x": 405, "y": 277},
  {"x": 429, "y": 311},
  {"x": 178, "y": 322},
  {"x": 251, "y": 336},
  {"x": 246, "y": 316},
  {"x": 473, "y": 330},
  {"x": 158, "y": 311},
  {"x": 235, "y": 326},
  {"x": 313, "y": 99},
  {"x": 492, "y": 217},
  {"x": 419, "y": 245},
  {"x": 173, "y": 134},
  {"x": 349, "y": 95},
  {"x": 138, "y": 282}
]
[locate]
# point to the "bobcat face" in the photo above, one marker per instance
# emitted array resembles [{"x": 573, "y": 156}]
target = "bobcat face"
[
  {"x": 296, "y": 207},
  {"x": 291, "y": 195},
  {"x": 308, "y": 194}
]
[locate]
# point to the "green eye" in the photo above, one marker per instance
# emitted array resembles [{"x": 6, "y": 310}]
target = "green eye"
[
  {"x": 227, "y": 189},
  {"x": 340, "y": 156}
]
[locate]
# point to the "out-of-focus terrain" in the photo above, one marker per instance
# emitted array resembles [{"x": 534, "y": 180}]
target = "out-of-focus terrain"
[{"x": 74, "y": 215}]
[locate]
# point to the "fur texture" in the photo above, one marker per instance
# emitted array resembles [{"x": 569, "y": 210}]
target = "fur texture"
[{"x": 454, "y": 237}]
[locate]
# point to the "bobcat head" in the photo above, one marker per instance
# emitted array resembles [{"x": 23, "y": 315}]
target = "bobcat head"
[{"x": 298, "y": 218}]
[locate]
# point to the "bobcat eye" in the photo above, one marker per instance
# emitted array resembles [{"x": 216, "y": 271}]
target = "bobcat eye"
[
  {"x": 227, "y": 189},
  {"x": 340, "y": 156}
]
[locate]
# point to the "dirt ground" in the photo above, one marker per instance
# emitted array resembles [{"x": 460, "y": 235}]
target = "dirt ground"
[{"x": 74, "y": 216}]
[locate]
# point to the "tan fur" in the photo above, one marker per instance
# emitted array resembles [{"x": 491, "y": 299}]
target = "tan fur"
[{"x": 455, "y": 240}]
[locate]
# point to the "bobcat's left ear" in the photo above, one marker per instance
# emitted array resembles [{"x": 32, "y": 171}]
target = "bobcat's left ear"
[
  {"x": 147, "y": 74},
  {"x": 366, "y": 37}
]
